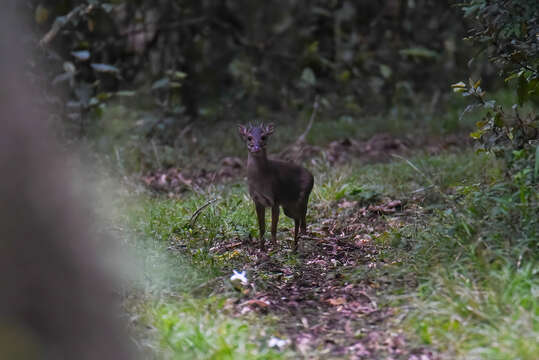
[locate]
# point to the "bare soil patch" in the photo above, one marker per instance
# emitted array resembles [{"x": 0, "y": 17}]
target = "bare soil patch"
[{"x": 378, "y": 148}]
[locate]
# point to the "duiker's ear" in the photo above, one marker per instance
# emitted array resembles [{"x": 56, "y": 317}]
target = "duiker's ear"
[
  {"x": 243, "y": 131},
  {"x": 268, "y": 129}
]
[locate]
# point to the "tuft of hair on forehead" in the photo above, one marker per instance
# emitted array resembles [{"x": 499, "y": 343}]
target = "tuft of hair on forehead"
[{"x": 251, "y": 128}]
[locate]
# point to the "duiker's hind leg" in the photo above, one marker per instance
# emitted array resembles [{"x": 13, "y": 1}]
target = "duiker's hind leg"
[
  {"x": 295, "y": 213},
  {"x": 296, "y": 228},
  {"x": 303, "y": 224},
  {"x": 274, "y": 222}
]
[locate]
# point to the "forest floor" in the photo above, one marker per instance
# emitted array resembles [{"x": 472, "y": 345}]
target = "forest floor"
[
  {"x": 367, "y": 265},
  {"x": 329, "y": 301}
]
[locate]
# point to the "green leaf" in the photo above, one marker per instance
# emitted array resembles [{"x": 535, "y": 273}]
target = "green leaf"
[
  {"x": 125, "y": 93},
  {"x": 107, "y": 7},
  {"x": 481, "y": 123},
  {"x": 69, "y": 67},
  {"x": 533, "y": 87},
  {"x": 41, "y": 15},
  {"x": 385, "y": 71},
  {"x": 81, "y": 55},
  {"x": 105, "y": 68},
  {"x": 490, "y": 104},
  {"x": 342, "y": 192},
  {"x": 308, "y": 77},
  {"x": 161, "y": 83},
  {"x": 476, "y": 134},
  {"x": 344, "y": 76},
  {"x": 511, "y": 77},
  {"x": 470, "y": 10},
  {"x": 312, "y": 48},
  {"x": 318, "y": 10},
  {"x": 419, "y": 52},
  {"x": 102, "y": 96},
  {"x": 498, "y": 120},
  {"x": 179, "y": 75},
  {"x": 459, "y": 85},
  {"x": 476, "y": 85}
]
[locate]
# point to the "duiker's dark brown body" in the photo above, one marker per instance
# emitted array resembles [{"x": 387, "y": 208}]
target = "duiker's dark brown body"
[{"x": 274, "y": 183}]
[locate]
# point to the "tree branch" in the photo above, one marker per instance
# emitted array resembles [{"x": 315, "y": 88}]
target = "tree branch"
[{"x": 59, "y": 24}]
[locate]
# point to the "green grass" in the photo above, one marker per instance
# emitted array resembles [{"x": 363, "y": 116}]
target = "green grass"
[
  {"x": 476, "y": 263},
  {"x": 188, "y": 327},
  {"x": 433, "y": 176},
  {"x": 487, "y": 315},
  {"x": 470, "y": 250},
  {"x": 178, "y": 299}
]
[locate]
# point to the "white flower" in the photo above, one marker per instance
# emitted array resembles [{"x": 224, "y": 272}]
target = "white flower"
[
  {"x": 278, "y": 343},
  {"x": 239, "y": 279}
]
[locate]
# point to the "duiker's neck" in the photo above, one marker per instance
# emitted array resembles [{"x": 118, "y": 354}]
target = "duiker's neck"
[{"x": 258, "y": 160}]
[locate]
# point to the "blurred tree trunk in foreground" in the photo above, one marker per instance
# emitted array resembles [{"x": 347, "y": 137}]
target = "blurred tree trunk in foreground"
[{"x": 56, "y": 301}]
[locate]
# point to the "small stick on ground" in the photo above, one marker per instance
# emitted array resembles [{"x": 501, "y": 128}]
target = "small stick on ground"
[{"x": 195, "y": 215}]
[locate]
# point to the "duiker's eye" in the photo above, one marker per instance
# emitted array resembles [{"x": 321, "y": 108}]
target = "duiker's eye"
[
  {"x": 249, "y": 138},
  {"x": 263, "y": 138}
]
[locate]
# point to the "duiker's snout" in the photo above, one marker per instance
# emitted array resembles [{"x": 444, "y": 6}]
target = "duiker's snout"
[{"x": 255, "y": 148}]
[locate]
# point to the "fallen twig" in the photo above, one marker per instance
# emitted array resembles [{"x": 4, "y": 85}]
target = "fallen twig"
[
  {"x": 301, "y": 139},
  {"x": 195, "y": 215},
  {"x": 227, "y": 247}
]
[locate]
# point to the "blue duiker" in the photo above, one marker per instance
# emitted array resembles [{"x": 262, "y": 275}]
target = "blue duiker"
[{"x": 274, "y": 183}]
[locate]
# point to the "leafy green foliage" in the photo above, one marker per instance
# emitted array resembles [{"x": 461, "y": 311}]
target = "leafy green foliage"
[
  {"x": 510, "y": 29},
  {"x": 500, "y": 132}
]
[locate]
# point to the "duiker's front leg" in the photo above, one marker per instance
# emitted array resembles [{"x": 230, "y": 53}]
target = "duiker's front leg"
[
  {"x": 274, "y": 222},
  {"x": 260, "y": 213}
]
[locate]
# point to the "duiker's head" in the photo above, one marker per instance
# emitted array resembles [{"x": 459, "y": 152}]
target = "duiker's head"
[{"x": 255, "y": 136}]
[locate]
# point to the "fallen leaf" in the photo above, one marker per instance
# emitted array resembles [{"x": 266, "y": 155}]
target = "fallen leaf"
[{"x": 337, "y": 301}]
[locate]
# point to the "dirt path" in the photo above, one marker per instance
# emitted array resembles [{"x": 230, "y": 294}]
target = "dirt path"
[{"x": 329, "y": 300}]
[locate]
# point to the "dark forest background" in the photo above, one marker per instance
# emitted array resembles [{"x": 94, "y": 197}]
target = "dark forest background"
[{"x": 183, "y": 62}]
